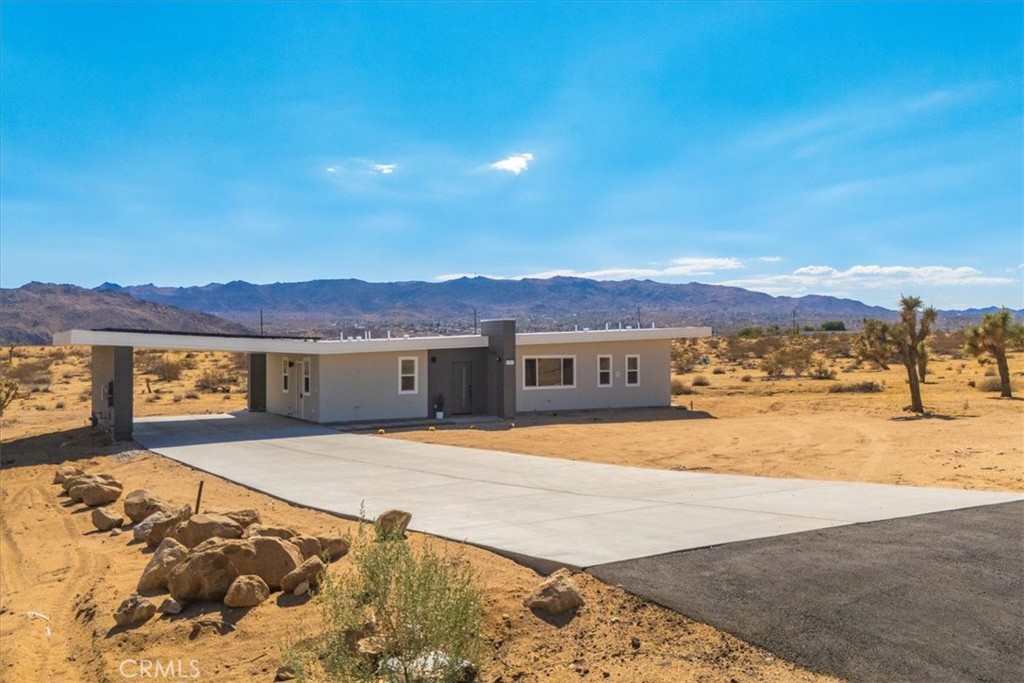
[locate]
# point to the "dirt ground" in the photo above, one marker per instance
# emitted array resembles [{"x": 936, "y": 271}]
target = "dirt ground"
[
  {"x": 53, "y": 564},
  {"x": 60, "y": 580}
]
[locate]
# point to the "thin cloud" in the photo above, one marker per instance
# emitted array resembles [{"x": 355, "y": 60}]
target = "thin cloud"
[
  {"x": 385, "y": 169},
  {"x": 769, "y": 259},
  {"x": 821, "y": 278},
  {"x": 516, "y": 164},
  {"x": 686, "y": 266}
]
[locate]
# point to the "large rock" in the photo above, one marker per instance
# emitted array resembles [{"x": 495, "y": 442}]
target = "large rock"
[
  {"x": 71, "y": 482},
  {"x": 392, "y": 524},
  {"x": 309, "y": 546},
  {"x": 336, "y": 547},
  {"x": 134, "y": 610},
  {"x": 66, "y": 472},
  {"x": 270, "y": 531},
  {"x": 555, "y": 595},
  {"x": 161, "y": 524},
  {"x": 245, "y": 517},
  {"x": 169, "y": 554},
  {"x": 207, "y": 525},
  {"x": 213, "y": 565},
  {"x": 307, "y": 572},
  {"x": 247, "y": 591},
  {"x": 95, "y": 494},
  {"x": 140, "y": 504},
  {"x": 106, "y": 519}
]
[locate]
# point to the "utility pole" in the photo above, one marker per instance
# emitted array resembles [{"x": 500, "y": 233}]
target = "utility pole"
[
  {"x": 261, "y": 322},
  {"x": 638, "y": 323},
  {"x": 795, "y": 330}
]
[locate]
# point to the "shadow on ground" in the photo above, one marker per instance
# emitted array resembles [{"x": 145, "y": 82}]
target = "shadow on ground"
[{"x": 54, "y": 448}]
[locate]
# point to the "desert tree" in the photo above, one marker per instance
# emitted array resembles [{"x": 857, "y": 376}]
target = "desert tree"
[
  {"x": 902, "y": 341},
  {"x": 922, "y": 360},
  {"x": 873, "y": 344},
  {"x": 996, "y": 332},
  {"x": 8, "y": 392}
]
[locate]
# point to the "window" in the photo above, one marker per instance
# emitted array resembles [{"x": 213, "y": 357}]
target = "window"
[
  {"x": 545, "y": 372},
  {"x": 284, "y": 375},
  {"x": 632, "y": 371},
  {"x": 604, "y": 371},
  {"x": 407, "y": 375},
  {"x": 307, "y": 381}
]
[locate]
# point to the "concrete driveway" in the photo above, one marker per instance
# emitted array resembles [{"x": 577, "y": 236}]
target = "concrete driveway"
[{"x": 544, "y": 512}]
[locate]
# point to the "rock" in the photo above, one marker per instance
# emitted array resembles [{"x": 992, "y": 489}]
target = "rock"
[
  {"x": 392, "y": 524},
  {"x": 140, "y": 504},
  {"x": 336, "y": 547},
  {"x": 211, "y": 567},
  {"x": 247, "y": 591},
  {"x": 170, "y": 606},
  {"x": 285, "y": 673},
  {"x": 160, "y": 524},
  {"x": 301, "y": 589},
  {"x": 204, "y": 526},
  {"x": 134, "y": 610},
  {"x": 106, "y": 519},
  {"x": 81, "y": 479},
  {"x": 309, "y": 546},
  {"x": 116, "y": 531},
  {"x": 66, "y": 472},
  {"x": 245, "y": 517},
  {"x": 169, "y": 554},
  {"x": 555, "y": 595},
  {"x": 308, "y": 571},
  {"x": 95, "y": 494},
  {"x": 270, "y": 531},
  {"x": 430, "y": 666}
]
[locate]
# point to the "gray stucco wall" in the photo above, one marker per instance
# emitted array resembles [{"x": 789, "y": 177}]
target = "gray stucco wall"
[
  {"x": 294, "y": 402},
  {"x": 113, "y": 367},
  {"x": 365, "y": 387},
  {"x": 439, "y": 377},
  {"x": 655, "y": 377}
]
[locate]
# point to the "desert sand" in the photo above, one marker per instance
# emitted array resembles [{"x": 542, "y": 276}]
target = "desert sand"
[{"x": 55, "y": 565}]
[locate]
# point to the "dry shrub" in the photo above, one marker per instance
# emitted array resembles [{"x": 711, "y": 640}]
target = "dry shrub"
[
  {"x": 990, "y": 384},
  {"x": 680, "y": 388},
  {"x": 718, "y": 371},
  {"x": 867, "y": 387},
  {"x": 215, "y": 381},
  {"x": 701, "y": 381},
  {"x": 165, "y": 369}
]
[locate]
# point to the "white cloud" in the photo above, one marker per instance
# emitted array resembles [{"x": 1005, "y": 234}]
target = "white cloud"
[
  {"x": 517, "y": 163},
  {"x": 331, "y": 169},
  {"x": 685, "y": 266},
  {"x": 769, "y": 259},
  {"x": 827, "y": 278},
  {"x": 385, "y": 169}
]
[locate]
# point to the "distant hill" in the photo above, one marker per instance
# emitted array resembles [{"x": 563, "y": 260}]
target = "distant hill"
[
  {"x": 32, "y": 313},
  {"x": 537, "y": 304}
]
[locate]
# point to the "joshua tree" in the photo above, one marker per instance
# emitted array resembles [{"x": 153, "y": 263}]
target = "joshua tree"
[
  {"x": 8, "y": 392},
  {"x": 996, "y": 332},
  {"x": 902, "y": 340},
  {"x": 922, "y": 361}
]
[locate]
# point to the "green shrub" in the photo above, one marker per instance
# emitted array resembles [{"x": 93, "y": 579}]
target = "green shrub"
[{"x": 397, "y": 611}]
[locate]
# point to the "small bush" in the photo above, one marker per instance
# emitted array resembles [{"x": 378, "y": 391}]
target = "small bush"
[
  {"x": 746, "y": 378},
  {"x": 990, "y": 372},
  {"x": 823, "y": 372},
  {"x": 680, "y": 388},
  {"x": 718, "y": 371},
  {"x": 990, "y": 384},
  {"x": 191, "y": 395},
  {"x": 971, "y": 383},
  {"x": 215, "y": 381},
  {"x": 701, "y": 381},
  {"x": 59, "y": 405},
  {"x": 413, "y": 606},
  {"x": 176, "y": 398},
  {"x": 165, "y": 369},
  {"x": 867, "y": 387}
]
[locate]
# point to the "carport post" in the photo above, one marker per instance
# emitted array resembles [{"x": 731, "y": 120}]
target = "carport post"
[{"x": 257, "y": 382}]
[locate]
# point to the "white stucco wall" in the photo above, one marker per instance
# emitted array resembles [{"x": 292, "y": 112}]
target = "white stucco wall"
[
  {"x": 366, "y": 387},
  {"x": 655, "y": 377},
  {"x": 295, "y": 402}
]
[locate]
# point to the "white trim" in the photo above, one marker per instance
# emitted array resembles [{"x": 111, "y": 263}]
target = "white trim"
[
  {"x": 286, "y": 379},
  {"x": 575, "y": 372},
  {"x": 415, "y": 375},
  {"x": 627, "y": 370},
  {"x": 611, "y": 375},
  {"x": 307, "y": 378}
]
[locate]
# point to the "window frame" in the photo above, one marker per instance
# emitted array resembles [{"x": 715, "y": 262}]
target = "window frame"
[
  {"x": 307, "y": 377},
  {"x": 286, "y": 379},
  {"x": 611, "y": 371},
  {"x": 636, "y": 357},
  {"x": 563, "y": 358},
  {"x": 415, "y": 375}
]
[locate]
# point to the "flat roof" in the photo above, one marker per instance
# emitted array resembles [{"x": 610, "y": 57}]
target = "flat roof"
[{"x": 319, "y": 347}]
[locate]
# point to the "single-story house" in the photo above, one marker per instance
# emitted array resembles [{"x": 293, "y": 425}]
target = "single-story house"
[{"x": 497, "y": 372}]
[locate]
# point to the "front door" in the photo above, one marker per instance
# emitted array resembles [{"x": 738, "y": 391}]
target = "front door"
[
  {"x": 302, "y": 380},
  {"x": 462, "y": 387}
]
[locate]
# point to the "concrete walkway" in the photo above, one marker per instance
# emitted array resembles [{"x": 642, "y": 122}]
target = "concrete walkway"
[{"x": 542, "y": 511}]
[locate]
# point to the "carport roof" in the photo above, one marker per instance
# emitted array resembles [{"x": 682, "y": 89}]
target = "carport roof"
[{"x": 317, "y": 347}]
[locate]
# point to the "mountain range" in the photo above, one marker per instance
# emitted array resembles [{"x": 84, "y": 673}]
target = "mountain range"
[{"x": 32, "y": 313}]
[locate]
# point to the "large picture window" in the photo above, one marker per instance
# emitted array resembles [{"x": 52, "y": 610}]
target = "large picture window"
[
  {"x": 604, "y": 371},
  {"x": 407, "y": 375},
  {"x": 549, "y": 372},
  {"x": 632, "y": 371}
]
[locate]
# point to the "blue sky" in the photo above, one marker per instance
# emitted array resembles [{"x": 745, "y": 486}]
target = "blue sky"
[{"x": 861, "y": 150}]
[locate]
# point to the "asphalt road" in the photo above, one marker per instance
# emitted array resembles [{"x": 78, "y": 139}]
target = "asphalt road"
[{"x": 935, "y": 598}]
